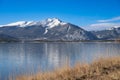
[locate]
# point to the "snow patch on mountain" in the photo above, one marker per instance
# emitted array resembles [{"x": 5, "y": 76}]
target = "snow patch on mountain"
[{"x": 46, "y": 30}]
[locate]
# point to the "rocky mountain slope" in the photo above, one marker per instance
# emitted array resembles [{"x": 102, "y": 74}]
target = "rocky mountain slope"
[
  {"x": 110, "y": 34},
  {"x": 49, "y": 29}
]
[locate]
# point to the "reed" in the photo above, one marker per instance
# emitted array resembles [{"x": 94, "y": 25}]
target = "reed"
[{"x": 102, "y": 69}]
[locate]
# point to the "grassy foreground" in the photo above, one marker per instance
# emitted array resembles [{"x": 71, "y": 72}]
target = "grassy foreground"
[{"x": 103, "y": 69}]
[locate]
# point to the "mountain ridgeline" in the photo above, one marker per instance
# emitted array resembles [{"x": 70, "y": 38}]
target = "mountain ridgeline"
[
  {"x": 110, "y": 34},
  {"x": 47, "y": 30},
  {"x": 52, "y": 30}
]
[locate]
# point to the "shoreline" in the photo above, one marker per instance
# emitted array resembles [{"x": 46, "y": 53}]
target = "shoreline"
[
  {"x": 40, "y": 41},
  {"x": 102, "y": 69}
]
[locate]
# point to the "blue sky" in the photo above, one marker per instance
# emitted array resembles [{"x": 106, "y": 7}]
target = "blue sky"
[{"x": 85, "y": 13}]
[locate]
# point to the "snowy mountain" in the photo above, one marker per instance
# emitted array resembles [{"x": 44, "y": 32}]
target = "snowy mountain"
[
  {"x": 20, "y": 24},
  {"x": 109, "y": 34},
  {"x": 49, "y": 29},
  {"x": 52, "y": 22},
  {"x": 48, "y": 22}
]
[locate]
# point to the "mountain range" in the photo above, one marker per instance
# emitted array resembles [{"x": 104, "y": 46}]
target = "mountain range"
[
  {"x": 52, "y": 30},
  {"x": 110, "y": 34}
]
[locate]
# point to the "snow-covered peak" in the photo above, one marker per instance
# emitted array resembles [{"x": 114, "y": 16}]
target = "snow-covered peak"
[
  {"x": 115, "y": 27},
  {"x": 53, "y": 19},
  {"x": 17, "y": 23},
  {"x": 20, "y": 24},
  {"x": 49, "y": 23},
  {"x": 52, "y": 22}
]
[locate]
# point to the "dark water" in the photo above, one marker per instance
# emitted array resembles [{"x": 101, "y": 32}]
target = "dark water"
[{"x": 24, "y": 58}]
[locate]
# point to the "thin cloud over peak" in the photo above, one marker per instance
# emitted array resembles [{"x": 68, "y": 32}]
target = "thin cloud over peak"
[
  {"x": 102, "y": 26},
  {"x": 110, "y": 20}
]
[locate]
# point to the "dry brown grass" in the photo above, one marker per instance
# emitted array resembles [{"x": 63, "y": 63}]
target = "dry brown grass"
[{"x": 103, "y": 69}]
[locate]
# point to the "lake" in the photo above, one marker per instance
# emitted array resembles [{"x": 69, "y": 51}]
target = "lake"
[{"x": 30, "y": 58}]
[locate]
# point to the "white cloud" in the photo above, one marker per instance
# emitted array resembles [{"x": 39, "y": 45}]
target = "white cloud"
[
  {"x": 110, "y": 20},
  {"x": 102, "y": 26},
  {"x": 105, "y": 24}
]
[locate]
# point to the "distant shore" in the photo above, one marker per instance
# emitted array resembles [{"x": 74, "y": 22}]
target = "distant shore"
[
  {"x": 38, "y": 41},
  {"x": 102, "y": 69}
]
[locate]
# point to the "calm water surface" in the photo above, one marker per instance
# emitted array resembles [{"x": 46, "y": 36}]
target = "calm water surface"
[{"x": 28, "y": 58}]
